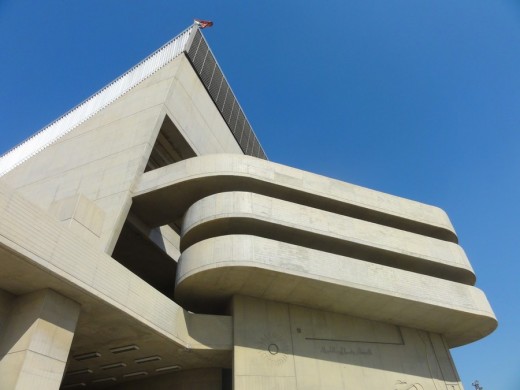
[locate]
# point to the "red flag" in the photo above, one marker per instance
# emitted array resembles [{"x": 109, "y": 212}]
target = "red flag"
[{"x": 203, "y": 23}]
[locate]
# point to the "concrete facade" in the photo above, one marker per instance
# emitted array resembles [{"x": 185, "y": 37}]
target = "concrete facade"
[{"x": 148, "y": 246}]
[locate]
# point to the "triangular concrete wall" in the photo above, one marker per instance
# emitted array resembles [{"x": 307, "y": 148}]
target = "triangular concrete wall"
[{"x": 102, "y": 158}]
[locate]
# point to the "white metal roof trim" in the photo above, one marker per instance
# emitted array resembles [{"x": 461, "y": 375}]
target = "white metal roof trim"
[{"x": 94, "y": 103}]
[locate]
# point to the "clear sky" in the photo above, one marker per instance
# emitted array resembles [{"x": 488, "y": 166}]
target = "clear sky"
[{"x": 419, "y": 99}]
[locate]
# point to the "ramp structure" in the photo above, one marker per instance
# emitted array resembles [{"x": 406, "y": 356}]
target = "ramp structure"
[{"x": 147, "y": 242}]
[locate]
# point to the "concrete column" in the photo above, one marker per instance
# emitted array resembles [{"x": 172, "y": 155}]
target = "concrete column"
[
  {"x": 36, "y": 340},
  {"x": 263, "y": 352}
]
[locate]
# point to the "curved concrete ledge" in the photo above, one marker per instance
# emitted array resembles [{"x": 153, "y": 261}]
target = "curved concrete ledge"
[
  {"x": 161, "y": 196},
  {"x": 259, "y": 215},
  {"x": 211, "y": 271}
]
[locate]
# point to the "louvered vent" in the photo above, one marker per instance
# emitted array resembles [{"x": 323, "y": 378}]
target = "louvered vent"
[{"x": 218, "y": 88}]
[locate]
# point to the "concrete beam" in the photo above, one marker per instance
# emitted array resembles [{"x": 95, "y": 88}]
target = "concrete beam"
[
  {"x": 281, "y": 346},
  {"x": 259, "y": 215},
  {"x": 36, "y": 341},
  {"x": 183, "y": 183}
]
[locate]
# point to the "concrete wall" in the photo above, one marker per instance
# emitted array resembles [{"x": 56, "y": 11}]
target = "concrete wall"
[
  {"x": 250, "y": 213},
  {"x": 281, "y": 346},
  {"x": 102, "y": 158},
  {"x": 218, "y": 173},
  {"x": 88, "y": 180}
]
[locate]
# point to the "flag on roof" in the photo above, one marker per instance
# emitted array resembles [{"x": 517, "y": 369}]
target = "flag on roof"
[{"x": 203, "y": 23}]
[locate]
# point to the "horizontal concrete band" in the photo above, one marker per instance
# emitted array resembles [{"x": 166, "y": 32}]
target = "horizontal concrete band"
[
  {"x": 249, "y": 213},
  {"x": 162, "y": 196},
  {"x": 38, "y": 252},
  {"x": 213, "y": 270}
]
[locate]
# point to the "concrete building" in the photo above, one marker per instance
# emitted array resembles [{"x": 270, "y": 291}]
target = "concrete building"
[{"x": 146, "y": 242}]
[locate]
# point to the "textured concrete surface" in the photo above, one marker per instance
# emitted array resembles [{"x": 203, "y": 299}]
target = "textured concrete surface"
[
  {"x": 218, "y": 271},
  {"x": 280, "y": 346},
  {"x": 35, "y": 343},
  {"x": 212, "y": 271}
]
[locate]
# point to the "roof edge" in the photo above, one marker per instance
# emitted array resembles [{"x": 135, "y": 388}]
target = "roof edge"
[
  {"x": 95, "y": 103},
  {"x": 212, "y": 77}
]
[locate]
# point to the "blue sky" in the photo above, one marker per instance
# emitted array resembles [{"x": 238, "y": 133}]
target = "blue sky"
[{"x": 415, "y": 98}]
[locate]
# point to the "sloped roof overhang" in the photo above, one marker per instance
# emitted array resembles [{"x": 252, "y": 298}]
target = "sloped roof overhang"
[{"x": 194, "y": 45}]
